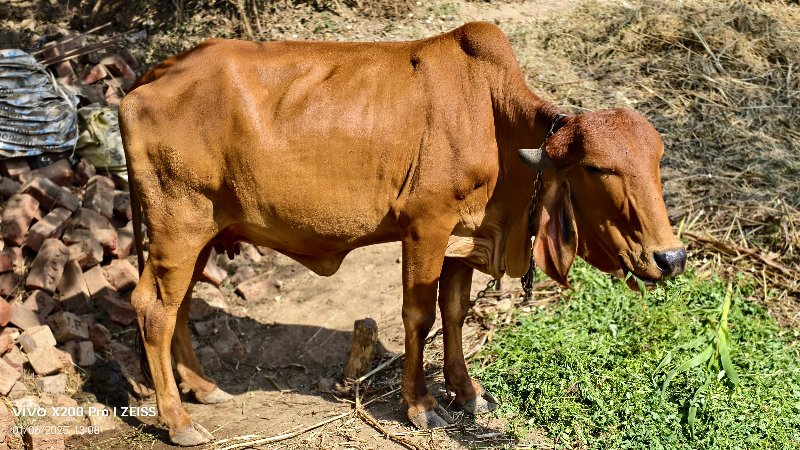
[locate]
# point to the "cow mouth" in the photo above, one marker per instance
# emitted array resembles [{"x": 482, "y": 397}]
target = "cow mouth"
[{"x": 627, "y": 272}]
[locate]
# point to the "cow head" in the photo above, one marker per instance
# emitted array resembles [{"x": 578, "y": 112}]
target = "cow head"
[{"x": 602, "y": 199}]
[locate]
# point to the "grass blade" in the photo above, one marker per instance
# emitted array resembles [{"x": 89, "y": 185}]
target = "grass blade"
[{"x": 698, "y": 359}]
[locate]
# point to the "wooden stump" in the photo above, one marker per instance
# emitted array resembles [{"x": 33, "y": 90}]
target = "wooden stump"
[{"x": 362, "y": 352}]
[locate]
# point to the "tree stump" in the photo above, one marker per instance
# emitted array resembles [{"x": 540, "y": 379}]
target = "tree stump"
[{"x": 362, "y": 352}]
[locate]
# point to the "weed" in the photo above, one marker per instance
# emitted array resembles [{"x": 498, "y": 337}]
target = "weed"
[{"x": 584, "y": 370}]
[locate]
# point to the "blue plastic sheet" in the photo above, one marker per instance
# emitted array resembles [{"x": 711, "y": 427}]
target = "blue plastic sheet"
[{"x": 36, "y": 115}]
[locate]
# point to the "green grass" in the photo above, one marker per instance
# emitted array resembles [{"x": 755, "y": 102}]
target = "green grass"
[{"x": 587, "y": 372}]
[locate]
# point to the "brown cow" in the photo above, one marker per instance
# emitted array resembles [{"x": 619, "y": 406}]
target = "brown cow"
[{"x": 315, "y": 148}]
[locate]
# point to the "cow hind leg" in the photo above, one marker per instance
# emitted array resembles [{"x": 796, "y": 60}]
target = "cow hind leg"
[
  {"x": 454, "y": 295},
  {"x": 156, "y": 300},
  {"x": 191, "y": 373}
]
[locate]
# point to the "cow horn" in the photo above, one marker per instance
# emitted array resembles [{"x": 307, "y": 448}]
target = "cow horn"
[{"x": 536, "y": 158}]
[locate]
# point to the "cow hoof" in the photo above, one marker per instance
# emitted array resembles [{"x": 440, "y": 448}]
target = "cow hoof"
[
  {"x": 432, "y": 419},
  {"x": 192, "y": 435},
  {"x": 214, "y": 397},
  {"x": 481, "y": 404}
]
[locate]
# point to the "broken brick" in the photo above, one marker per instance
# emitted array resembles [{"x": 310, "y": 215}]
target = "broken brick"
[
  {"x": 103, "y": 420},
  {"x": 100, "y": 337},
  {"x": 99, "y": 196},
  {"x": 8, "y": 187},
  {"x": 13, "y": 168},
  {"x": 213, "y": 273},
  {"x": 87, "y": 253},
  {"x": 112, "y": 95},
  {"x": 89, "y": 319},
  {"x": 6, "y": 343},
  {"x": 86, "y": 355},
  {"x": 15, "y": 358},
  {"x": 67, "y": 327},
  {"x": 5, "y": 313},
  {"x": 35, "y": 337},
  {"x": 50, "y": 194},
  {"x": 74, "y": 294},
  {"x": 118, "y": 67},
  {"x": 59, "y": 172},
  {"x": 125, "y": 241},
  {"x": 94, "y": 74},
  {"x": 98, "y": 227},
  {"x": 17, "y": 257},
  {"x": 19, "y": 211},
  {"x": 64, "y": 70},
  {"x": 54, "y": 384},
  {"x": 122, "y": 275},
  {"x": 23, "y": 317},
  {"x": 84, "y": 171},
  {"x": 96, "y": 281},
  {"x": 9, "y": 283},
  {"x": 51, "y": 226},
  {"x": 48, "y": 266},
  {"x": 8, "y": 376},
  {"x": 6, "y": 261},
  {"x": 122, "y": 205},
  {"x": 40, "y": 302},
  {"x": 119, "y": 310},
  {"x": 45, "y": 360},
  {"x": 260, "y": 287}
]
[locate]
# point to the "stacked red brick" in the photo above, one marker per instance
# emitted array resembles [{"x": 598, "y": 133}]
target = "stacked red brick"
[
  {"x": 66, "y": 235},
  {"x": 104, "y": 80}
]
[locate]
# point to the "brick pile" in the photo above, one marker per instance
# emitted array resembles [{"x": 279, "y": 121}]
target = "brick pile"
[
  {"x": 66, "y": 276},
  {"x": 104, "y": 77},
  {"x": 65, "y": 279}
]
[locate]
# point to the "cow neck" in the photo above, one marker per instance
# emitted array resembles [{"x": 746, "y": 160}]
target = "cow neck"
[
  {"x": 533, "y": 219},
  {"x": 522, "y": 120}
]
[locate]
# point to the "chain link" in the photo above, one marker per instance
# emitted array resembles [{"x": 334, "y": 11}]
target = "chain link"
[
  {"x": 490, "y": 286},
  {"x": 527, "y": 279}
]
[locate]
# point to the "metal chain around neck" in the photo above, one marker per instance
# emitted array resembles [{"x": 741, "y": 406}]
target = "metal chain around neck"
[{"x": 527, "y": 279}]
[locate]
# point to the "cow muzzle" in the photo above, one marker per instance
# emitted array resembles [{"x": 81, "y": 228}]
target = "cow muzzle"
[
  {"x": 670, "y": 262},
  {"x": 653, "y": 267}
]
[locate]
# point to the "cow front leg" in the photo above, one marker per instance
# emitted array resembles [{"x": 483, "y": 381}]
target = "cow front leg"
[
  {"x": 422, "y": 265},
  {"x": 157, "y": 318},
  {"x": 454, "y": 303},
  {"x": 188, "y": 367}
]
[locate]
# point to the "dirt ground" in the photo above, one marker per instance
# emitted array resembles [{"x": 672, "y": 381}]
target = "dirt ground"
[{"x": 303, "y": 335}]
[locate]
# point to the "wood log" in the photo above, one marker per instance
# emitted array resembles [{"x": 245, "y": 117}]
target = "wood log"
[{"x": 362, "y": 352}]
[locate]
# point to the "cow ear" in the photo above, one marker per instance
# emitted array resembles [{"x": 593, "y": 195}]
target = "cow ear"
[{"x": 556, "y": 241}]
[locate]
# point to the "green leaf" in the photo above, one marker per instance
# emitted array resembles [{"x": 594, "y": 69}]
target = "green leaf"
[
  {"x": 698, "y": 359},
  {"x": 725, "y": 358}
]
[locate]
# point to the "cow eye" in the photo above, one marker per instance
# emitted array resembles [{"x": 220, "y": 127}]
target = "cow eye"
[{"x": 595, "y": 170}]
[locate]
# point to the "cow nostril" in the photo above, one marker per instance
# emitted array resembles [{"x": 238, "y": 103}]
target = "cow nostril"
[{"x": 670, "y": 262}]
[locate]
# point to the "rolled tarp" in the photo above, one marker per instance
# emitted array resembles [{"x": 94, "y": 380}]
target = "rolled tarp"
[{"x": 36, "y": 115}]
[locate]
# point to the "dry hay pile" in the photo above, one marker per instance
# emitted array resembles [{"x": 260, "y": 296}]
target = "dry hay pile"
[{"x": 720, "y": 81}]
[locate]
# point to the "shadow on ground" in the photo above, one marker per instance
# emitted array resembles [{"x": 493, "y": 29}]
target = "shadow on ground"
[{"x": 282, "y": 378}]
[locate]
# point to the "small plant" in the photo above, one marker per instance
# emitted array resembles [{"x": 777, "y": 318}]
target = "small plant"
[
  {"x": 714, "y": 360},
  {"x": 591, "y": 371}
]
